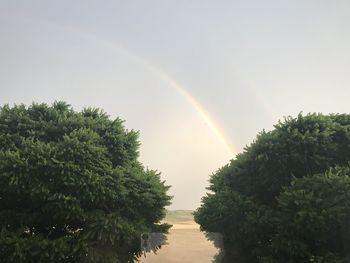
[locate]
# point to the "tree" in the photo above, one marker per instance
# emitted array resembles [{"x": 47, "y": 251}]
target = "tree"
[
  {"x": 71, "y": 187},
  {"x": 314, "y": 216},
  {"x": 245, "y": 202}
]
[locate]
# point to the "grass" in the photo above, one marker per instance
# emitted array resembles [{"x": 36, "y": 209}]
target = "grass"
[{"x": 178, "y": 216}]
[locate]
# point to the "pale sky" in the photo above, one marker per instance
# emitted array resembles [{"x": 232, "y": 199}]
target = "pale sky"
[{"x": 194, "y": 77}]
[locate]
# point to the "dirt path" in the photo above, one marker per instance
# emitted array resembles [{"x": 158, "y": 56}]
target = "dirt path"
[{"x": 186, "y": 245}]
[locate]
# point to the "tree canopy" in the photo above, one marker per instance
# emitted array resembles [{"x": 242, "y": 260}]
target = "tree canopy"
[
  {"x": 286, "y": 197},
  {"x": 72, "y": 188}
]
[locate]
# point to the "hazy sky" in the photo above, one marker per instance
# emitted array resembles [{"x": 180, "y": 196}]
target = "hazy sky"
[{"x": 195, "y": 77}]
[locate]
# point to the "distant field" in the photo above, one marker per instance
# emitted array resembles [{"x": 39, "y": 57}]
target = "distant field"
[
  {"x": 179, "y": 216},
  {"x": 181, "y": 219},
  {"x": 186, "y": 244}
]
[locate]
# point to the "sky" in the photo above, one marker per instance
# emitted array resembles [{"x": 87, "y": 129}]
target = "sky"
[{"x": 199, "y": 79}]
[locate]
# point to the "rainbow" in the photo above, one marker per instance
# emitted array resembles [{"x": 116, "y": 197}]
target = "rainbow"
[
  {"x": 214, "y": 127},
  {"x": 199, "y": 109}
]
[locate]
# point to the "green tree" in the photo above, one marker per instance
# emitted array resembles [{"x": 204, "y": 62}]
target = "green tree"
[
  {"x": 244, "y": 203},
  {"x": 71, "y": 187},
  {"x": 314, "y": 216}
]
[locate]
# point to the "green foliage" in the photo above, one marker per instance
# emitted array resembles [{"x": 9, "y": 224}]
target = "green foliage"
[
  {"x": 314, "y": 216},
  {"x": 71, "y": 187},
  {"x": 252, "y": 197}
]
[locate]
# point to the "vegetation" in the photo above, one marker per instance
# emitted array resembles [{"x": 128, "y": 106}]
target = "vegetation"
[
  {"x": 179, "y": 216},
  {"x": 286, "y": 198},
  {"x": 71, "y": 187}
]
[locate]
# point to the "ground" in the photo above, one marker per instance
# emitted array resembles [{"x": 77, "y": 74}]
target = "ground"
[{"x": 186, "y": 243}]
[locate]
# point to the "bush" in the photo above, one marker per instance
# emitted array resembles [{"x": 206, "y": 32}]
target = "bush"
[
  {"x": 314, "y": 216},
  {"x": 71, "y": 187},
  {"x": 245, "y": 202}
]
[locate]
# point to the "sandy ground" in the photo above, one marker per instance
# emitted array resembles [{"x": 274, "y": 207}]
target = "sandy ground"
[{"x": 186, "y": 244}]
